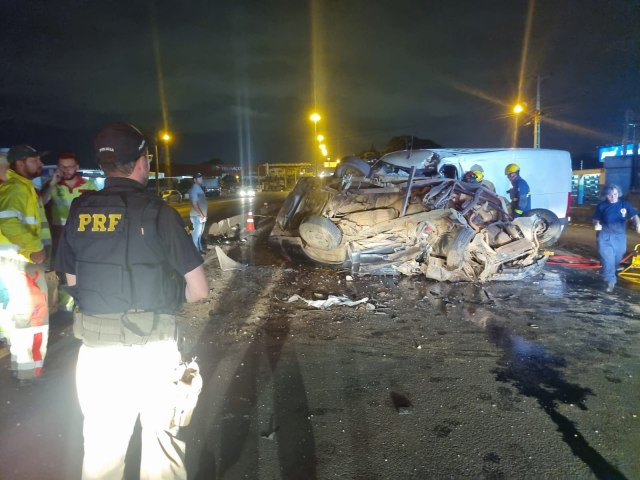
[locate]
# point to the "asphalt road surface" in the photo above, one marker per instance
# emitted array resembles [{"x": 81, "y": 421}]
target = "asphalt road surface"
[{"x": 532, "y": 379}]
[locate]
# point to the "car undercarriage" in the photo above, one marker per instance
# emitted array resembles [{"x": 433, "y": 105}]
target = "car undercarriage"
[{"x": 391, "y": 222}]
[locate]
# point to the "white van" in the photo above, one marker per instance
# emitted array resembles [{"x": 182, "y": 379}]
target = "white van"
[{"x": 548, "y": 172}]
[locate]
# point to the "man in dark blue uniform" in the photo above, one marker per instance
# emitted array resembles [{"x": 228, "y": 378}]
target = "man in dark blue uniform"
[
  {"x": 519, "y": 192},
  {"x": 130, "y": 265}
]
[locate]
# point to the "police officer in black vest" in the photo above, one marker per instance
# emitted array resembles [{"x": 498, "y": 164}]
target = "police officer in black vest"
[{"x": 130, "y": 265}]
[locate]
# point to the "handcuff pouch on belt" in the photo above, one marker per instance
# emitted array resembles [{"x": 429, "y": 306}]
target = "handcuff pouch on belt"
[{"x": 129, "y": 328}]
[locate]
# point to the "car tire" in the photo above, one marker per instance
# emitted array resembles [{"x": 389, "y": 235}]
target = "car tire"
[
  {"x": 458, "y": 247},
  {"x": 353, "y": 165},
  {"x": 320, "y": 232},
  {"x": 548, "y": 228}
]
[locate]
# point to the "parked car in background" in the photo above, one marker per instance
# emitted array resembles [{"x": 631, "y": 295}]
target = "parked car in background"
[{"x": 171, "y": 196}]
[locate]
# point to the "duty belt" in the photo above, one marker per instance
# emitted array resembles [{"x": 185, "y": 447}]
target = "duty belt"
[{"x": 133, "y": 327}]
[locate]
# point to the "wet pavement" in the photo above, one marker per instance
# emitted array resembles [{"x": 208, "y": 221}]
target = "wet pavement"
[{"x": 531, "y": 379}]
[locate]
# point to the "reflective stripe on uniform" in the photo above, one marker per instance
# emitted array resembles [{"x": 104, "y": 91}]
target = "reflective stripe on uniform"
[
  {"x": 19, "y": 216},
  {"x": 45, "y": 232}
]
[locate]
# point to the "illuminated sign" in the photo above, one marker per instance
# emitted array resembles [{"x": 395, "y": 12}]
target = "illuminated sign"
[{"x": 616, "y": 151}]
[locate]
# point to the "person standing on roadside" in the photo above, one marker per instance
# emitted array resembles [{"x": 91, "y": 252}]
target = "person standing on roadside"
[
  {"x": 5, "y": 315},
  {"x": 65, "y": 185},
  {"x": 24, "y": 241},
  {"x": 198, "y": 211},
  {"x": 519, "y": 192},
  {"x": 610, "y": 222},
  {"x": 130, "y": 266}
]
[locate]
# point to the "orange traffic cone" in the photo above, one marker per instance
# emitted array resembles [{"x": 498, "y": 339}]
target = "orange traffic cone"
[{"x": 250, "y": 225}]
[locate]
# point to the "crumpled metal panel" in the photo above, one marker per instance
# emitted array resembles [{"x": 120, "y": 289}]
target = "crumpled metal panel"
[{"x": 452, "y": 231}]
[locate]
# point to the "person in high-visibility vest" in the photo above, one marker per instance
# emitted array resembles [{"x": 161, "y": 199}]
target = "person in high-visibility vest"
[
  {"x": 5, "y": 317},
  {"x": 65, "y": 185},
  {"x": 24, "y": 240}
]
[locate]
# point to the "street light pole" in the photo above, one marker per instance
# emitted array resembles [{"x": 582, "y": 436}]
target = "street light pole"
[
  {"x": 536, "y": 118},
  {"x": 157, "y": 169},
  {"x": 166, "y": 137},
  {"x": 517, "y": 110},
  {"x": 315, "y": 118}
]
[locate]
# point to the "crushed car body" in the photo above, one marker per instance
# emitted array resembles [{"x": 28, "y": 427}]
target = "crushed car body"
[{"x": 393, "y": 219}]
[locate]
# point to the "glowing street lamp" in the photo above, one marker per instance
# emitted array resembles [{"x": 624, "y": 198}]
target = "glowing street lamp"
[
  {"x": 517, "y": 110},
  {"x": 320, "y": 138},
  {"x": 315, "y": 118},
  {"x": 165, "y": 136}
]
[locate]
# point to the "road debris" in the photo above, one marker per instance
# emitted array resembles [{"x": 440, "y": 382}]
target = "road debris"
[
  {"x": 330, "y": 301},
  {"x": 227, "y": 263}
]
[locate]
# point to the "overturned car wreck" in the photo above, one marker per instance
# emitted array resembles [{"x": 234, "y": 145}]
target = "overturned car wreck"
[{"x": 389, "y": 220}]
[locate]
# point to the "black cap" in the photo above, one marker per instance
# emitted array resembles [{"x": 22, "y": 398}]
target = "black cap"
[
  {"x": 197, "y": 175},
  {"x": 120, "y": 143},
  {"x": 18, "y": 152}
]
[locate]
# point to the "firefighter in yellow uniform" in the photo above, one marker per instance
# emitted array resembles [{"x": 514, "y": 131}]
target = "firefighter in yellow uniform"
[{"x": 24, "y": 240}]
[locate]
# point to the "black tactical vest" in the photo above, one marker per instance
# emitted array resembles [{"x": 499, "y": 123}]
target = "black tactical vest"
[{"x": 120, "y": 263}]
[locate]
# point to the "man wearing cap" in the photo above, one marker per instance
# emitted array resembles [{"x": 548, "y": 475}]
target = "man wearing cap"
[
  {"x": 130, "y": 265},
  {"x": 24, "y": 241},
  {"x": 198, "y": 211},
  {"x": 65, "y": 185}
]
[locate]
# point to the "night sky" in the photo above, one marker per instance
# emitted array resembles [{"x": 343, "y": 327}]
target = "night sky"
[{"x": 240, "y": 78}]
